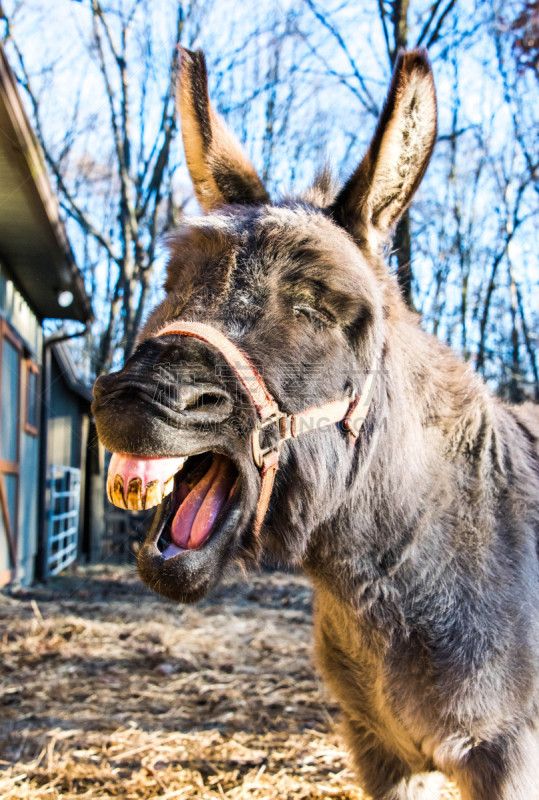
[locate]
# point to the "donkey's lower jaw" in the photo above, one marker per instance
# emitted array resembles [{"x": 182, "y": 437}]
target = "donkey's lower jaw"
[
  {"x": 194, "y": 530},
  {"x": 200, "y": 487}
]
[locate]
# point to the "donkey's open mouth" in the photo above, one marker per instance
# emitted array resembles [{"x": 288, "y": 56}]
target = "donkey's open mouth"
[
  {"x": 198, "y": 523},
  {"x": 193, "y": 496},
  {"x": 179, "y": 430}
]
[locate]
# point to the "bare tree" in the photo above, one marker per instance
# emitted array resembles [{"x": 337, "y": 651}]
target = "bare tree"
[
  {"x": 393, "y": 17},
  {"x": 517, "y": 182},
  {"x": 463, "y": 256},
  {"x": 140, "y": 172}
]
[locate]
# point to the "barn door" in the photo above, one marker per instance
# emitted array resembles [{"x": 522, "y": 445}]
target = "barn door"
[{"x": 10, "y": 404}]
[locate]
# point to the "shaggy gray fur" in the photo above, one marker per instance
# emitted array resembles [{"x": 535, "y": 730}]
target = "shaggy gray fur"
[{"x": 421, "y": 537}]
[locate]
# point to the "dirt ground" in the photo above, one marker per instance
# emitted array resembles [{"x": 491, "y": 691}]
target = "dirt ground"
[{"x": 108, "y": 691}]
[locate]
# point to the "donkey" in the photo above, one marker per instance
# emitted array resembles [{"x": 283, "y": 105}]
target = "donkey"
[{"x": 283, "y": 400}]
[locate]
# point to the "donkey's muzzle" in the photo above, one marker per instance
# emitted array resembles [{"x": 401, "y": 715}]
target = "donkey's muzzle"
[
  {"x": 178, "y": 376},
  {"x": 164, "y": 389},
  {"x": 199, "y": 402}
]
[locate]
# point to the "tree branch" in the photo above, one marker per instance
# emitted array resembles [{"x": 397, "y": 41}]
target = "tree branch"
[
  {"x": 383, "y": 15},
  {"x": 69, "y": 205},
  {"x": 511, "y": 229},
  {"x": 108, "y": 86},
  {"x": 368, "y": 101},
  {"x": 436, "y": 32},
  {"x": 168, "y": 122},
  {"x": 328, "y": 70},
  {"x": 433, "y": 11}
]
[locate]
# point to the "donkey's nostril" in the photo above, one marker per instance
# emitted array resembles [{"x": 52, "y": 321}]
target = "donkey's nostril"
[
  {"x": 202, "y": 400},
  {"x": 207, "y": 401},
  {"x": 102, "y": 386}
]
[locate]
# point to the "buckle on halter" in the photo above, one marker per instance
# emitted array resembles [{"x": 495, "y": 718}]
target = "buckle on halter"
[{"x": 283, "y": 422}]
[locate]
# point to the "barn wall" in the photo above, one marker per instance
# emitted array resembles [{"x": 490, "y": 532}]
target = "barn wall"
[
  {"x": 66, "y": 419},
  {"x": 28, "y": 509},
  {"x": 68, "y": 435},
  {"x": 18, "y": 320}
]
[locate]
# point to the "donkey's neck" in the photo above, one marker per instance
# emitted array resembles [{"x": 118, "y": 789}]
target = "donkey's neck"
[
  {"x": 436, "y": 404},
  {"x": 433, "y": 422}
]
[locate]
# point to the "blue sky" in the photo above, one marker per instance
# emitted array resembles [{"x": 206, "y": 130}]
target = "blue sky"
[{"x": 321, "y": 117}]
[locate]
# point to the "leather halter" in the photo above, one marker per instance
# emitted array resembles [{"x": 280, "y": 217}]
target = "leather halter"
[{"x": 350, "y": 412}]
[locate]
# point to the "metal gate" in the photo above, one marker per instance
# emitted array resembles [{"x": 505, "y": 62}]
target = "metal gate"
[{"x": 63, "y": 528}]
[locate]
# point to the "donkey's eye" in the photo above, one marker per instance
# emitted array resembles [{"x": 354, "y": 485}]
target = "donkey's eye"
[{"x": 315, "y": 316}]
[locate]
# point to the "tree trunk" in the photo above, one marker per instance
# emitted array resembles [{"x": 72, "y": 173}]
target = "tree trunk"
[
  {"x": 402, "y": 244},
  {"x": 402, "y": 248},
  {"x": 515, "y": 384}
]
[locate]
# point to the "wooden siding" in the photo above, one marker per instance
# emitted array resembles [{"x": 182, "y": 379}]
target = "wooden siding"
[
  {"x": 19, "y": 461},
  {"x": 66, "y": 421},
  {"x": 15, "y": 309}
]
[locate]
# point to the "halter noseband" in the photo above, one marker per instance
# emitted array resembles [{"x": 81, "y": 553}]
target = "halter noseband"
[{"x": 350, "y": 411}]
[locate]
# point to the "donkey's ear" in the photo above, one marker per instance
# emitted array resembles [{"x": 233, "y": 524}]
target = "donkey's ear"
[
  {"x": 220, "y": 171},
  {"x": 381, "y": 188}
]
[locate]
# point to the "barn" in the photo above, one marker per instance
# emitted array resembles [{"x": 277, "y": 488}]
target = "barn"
[{"x": 44, "y": 411}]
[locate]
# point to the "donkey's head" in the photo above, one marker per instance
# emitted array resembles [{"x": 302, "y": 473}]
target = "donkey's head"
[{"x": 288, "y": 300}]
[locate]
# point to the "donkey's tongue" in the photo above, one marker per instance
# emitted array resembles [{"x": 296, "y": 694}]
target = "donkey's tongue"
[{"x": 194, "y": 518}]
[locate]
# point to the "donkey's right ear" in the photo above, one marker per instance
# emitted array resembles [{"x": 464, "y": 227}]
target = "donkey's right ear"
[
  {"x": 220, "y": 171},
  {"x": 381, "y": 188}
]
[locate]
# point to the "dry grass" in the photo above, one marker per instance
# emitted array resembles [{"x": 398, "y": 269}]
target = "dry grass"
[{"x": 109, "y": 691}]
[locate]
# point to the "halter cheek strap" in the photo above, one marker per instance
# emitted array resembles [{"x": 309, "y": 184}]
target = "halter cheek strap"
[{"x": 349, "y": 412}]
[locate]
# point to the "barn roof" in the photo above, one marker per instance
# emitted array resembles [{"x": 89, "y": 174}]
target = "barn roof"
[
  {"x": 62, "y": 356},
  {"x": 33, "y": 241}
]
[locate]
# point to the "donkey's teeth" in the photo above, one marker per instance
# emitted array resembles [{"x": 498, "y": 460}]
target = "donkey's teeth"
[
  {"x": 134, "y": 495},
  {"x": 153, "y": 494},
  {"x": 136, "y": 482},
  {"x": 117, "y": 493}
]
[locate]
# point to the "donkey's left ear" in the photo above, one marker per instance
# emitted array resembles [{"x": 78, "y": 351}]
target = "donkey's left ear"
[
  {"x": 220, "y": 170},
  {"x": 381, "y": 188}
]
